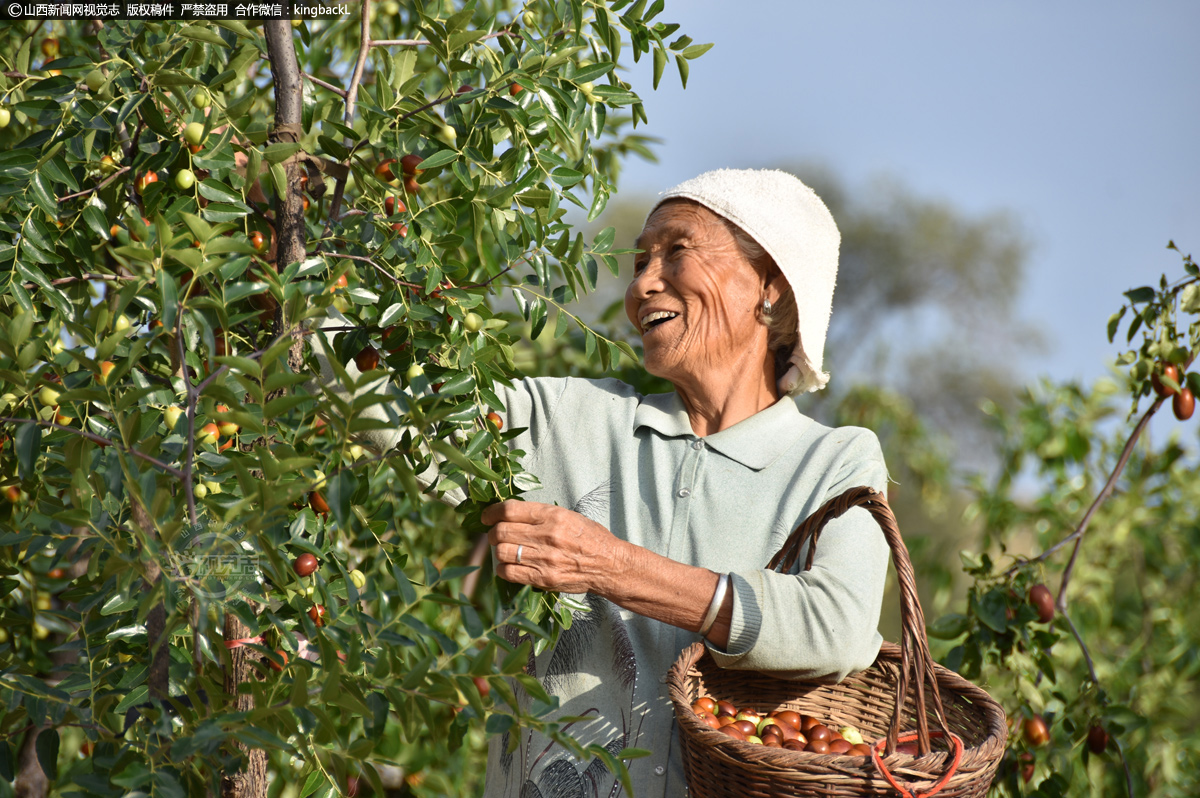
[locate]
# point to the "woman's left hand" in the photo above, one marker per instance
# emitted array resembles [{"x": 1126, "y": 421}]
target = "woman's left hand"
[{"x": 552, "y": 547}]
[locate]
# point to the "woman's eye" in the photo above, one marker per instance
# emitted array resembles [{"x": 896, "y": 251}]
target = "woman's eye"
[{"x": 677, "y": 248}]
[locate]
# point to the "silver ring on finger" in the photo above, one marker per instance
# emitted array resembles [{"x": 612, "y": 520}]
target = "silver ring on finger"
[{"x": 519, "y": 553}]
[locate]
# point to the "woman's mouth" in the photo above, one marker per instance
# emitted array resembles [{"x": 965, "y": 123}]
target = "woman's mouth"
[{"x": 655, "y": 319}]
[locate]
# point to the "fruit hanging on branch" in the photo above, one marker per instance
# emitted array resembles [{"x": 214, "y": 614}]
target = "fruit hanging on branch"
[
  {"x": 1161, "y": 388},
  {"x": 1043, "y": 601},
  {"x": 145, "y": 181},
  {"x": 305, "y": 564},
  {"x": 1097, "y": 739},
  {"x": 409, "y": 164},
  {"x": 367, "y": 359},
  {"x": 383, "y": 170},
  {"x": 1184, "y": 404},
  {"x": 1037, "y": 733},
  {"x": 209, "y": 433}
]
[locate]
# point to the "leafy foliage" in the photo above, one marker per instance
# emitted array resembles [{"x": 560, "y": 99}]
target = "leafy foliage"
[
  {"x": 138, "y": 312},
  {"x": 1119, "y": 653}
]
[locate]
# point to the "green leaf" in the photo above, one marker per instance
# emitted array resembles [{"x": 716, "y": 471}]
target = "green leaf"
[
  {"x": 341, "y": 489},
  {"x": 224, "y": 212},
  {"x": 199, "y": 228},
  {"x": 242, "y": 364},
  {"x": 592, "y": 72},
  {"x": 463, "y": 382},
  {"x": 215, "y": 190},
  {"x": 1114, "y": 322},
  {"x": 440, "y": 158},
  {"x": 94, "y": 218},
  {"x": 499, "y": 724},
  {"x": 169, "y": 296},
  {"x": 684, "y": 69},
  {"x": 315, "y": 779},
  {"x": 566, "y": 177},
  {"x": 43, "y": 196},
  {"x": 201, "y": 34},
  {"x": 47, "y": 752},
  {"x": 462, "y": 461},
  {"x": 948, "y": 626},
  {"x": 633, "y": 753},
  {"x": 6, "y": 762},
  {"x": 604, "y": 239},
  {"x": 660, "y": 63},
  {"x": 403, "y": 61},
  {"x": 1143, "y": 294},
  {"x": 1189, "y": 299},
  {"x": 280, "y": 151},
  {"x": 239, "y": 291},
  {"x": 137, "y": 695},
  {"x": 29, "y": 441},
  {"x": 170, "y": 77},
  {"x": 696, "y": 50},
  {"x": 237, "y": 27}
]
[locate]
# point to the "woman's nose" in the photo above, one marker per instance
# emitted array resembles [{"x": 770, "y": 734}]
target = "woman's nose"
[{"x": 647, "y": 280}]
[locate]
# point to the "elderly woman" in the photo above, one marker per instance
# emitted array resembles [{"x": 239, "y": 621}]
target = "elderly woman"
[{"x": 661, "y": 511}]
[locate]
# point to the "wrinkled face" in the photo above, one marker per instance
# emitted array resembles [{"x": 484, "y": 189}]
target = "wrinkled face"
[{"x": 694, "y": 297}]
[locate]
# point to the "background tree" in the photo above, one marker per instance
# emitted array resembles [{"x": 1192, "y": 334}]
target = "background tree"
[{"x": 208, "y": 582}]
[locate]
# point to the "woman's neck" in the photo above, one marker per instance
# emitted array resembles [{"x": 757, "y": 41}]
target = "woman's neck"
[{"x": 720, "y": 399}]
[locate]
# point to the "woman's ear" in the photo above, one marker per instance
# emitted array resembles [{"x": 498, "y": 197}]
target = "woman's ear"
[{"x": 774, "y": 285}]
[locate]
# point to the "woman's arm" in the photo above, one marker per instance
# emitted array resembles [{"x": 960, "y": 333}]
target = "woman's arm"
[{"x": 565, "y": 551}]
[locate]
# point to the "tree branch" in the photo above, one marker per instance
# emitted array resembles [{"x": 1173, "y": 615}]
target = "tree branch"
[
  {"x": 423, "y": 42},
  {"x": 1105, "y": 492},
  {"x": 156, "y": 619},
  {"x": 98, "y": 186},
  {"x": 186, "y": 476},
  {"x": 383, "y": 272},
  {"x": 100, "y": 439},
  {"x": 351, "y": 96},
  {"x": 311, "y": 79},
  {"x": 83, "y": 278}
]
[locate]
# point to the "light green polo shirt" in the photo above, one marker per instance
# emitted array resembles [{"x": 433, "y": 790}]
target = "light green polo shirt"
[{"x": 725, "y": 502}]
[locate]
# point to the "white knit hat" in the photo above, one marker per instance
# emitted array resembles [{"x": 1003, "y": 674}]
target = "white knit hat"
[{"x": 792, "y": 224}]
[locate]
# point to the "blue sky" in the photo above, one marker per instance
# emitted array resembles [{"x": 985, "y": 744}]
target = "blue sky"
[{"x": 1080, "y": 118}]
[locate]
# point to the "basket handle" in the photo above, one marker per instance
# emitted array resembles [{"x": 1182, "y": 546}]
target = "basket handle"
[{"x": 916, "y": 663}]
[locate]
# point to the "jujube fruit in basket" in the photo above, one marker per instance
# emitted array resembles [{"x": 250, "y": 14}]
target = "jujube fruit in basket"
[{"x": 784, "y": 728}]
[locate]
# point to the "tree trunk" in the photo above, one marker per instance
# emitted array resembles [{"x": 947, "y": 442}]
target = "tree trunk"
[
  {"x": 291, "y": 233},
  {"x": 160, "y": 651},
  {"x": 31, "y": 781},
  {"x": 251, "y": 781},
  {"x": 291, "y": 238}
]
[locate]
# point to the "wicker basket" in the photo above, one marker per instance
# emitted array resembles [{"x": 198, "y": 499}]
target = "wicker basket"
[{"x": 877, "y": 701}]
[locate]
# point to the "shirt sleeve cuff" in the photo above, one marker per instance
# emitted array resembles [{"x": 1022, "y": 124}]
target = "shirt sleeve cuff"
[{"x": 746, "y": 621}]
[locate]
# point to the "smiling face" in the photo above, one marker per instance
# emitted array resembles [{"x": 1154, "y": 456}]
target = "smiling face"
[{"x": 695, "y": 299}]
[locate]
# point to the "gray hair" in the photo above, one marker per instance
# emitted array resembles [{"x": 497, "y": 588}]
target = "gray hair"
[{"x": 783, "y": 323}]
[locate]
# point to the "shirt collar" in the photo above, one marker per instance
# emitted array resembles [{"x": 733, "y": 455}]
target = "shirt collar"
[{"x": 755, "y": 442}]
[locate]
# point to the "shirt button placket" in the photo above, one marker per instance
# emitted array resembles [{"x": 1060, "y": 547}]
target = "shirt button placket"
[{"x": 692, "y": 464}]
